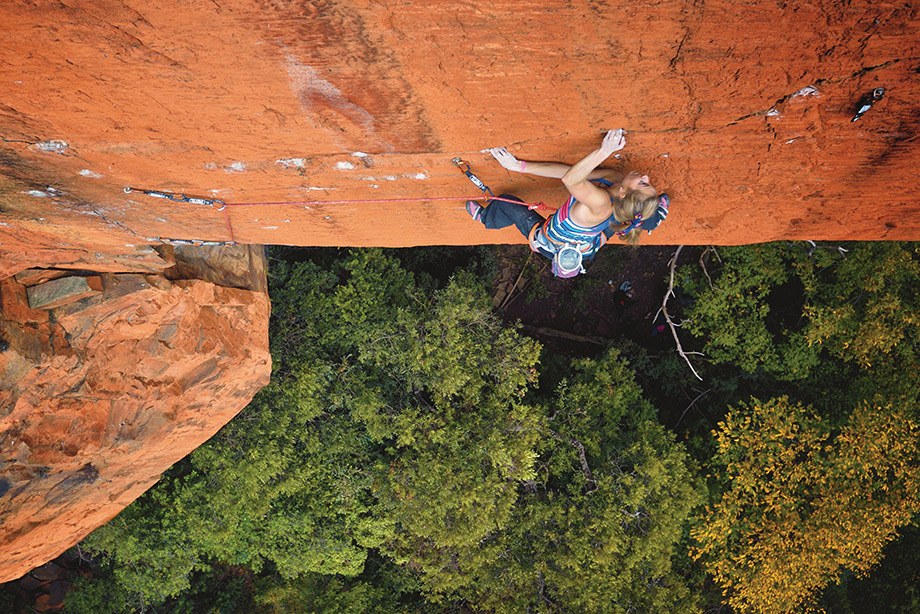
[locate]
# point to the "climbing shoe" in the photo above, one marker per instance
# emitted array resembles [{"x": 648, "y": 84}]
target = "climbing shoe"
[{"x": 474, "y": 209}]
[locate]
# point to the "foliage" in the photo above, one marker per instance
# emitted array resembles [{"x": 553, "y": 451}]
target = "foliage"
[
  {"x": 407, "y": 456},
  {"x": 402, "y": 424},
  {"x": 218, "y": 590},
  {"x": 891, "y": 588},
  {"x": 836, "y": 331},
  {"x": 100, "y": 595},
  {"x": 595, "y": 528},
  {"x": 785, "y": 310},
  {"x": 7, "y": 599},
  {"x": 868, "y": 313},
  {"x": 801, "y": 504},
  {"x": 328, "y": 594},
  {"x": 382, "y": 587},
  {"x": 732, "y": 314}
]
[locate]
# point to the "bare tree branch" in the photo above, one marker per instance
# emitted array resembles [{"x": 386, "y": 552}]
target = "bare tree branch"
[
  {"x": 552, "y": 332},
  {"x": 703, "y": 266},
  {"x": 692, "y": 403},
  {"x": 543, "y": 589},
  {"x": 664, "y": 311},
  {"x": 840, "y": 249},
  {"x": 516, "y": 282},
  {"x": 706, "y": 252},
  {"x": 581, "y": 456}
]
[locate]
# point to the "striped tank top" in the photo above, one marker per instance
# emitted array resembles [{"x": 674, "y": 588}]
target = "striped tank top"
[{"x": 559, "y": 229}]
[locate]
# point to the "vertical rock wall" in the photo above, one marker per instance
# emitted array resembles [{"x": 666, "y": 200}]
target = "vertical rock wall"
[
  {"x": 100, "y": 395},
  {"x": 740, "y": 110}
]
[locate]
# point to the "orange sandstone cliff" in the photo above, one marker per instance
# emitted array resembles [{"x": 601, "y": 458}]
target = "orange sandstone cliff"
[
  {"x": 740, "y": 110},
  {"x": 101, "y": 394}
]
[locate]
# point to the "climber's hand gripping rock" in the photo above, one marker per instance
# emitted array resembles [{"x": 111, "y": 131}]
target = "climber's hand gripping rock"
[
  {"x": 613, "y": 141},
  {"x": 506, "y": 159}
]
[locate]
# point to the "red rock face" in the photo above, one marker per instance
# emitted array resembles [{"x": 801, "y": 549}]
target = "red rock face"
[
  {"x": 741, "y": 111},
  {"x": 100, "y": 396}
]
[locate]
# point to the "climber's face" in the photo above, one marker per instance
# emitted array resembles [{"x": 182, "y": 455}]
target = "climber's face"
[{"x": 639, "y": 183}]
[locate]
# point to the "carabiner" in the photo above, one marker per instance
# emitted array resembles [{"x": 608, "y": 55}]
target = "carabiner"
[{"x": 460, "y": 163}]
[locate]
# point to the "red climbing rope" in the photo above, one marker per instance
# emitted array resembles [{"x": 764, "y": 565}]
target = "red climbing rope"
[
  {"x": 229, "y": 227},
  {"x": 531, "y": 206},
  {"x": 223, "y": 205}
]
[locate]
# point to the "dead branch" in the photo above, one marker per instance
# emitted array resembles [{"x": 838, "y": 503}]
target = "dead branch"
[
  {"x": 552, "y": 332},
  {"x": 703, "y": 265},
  {"x": 841, "y": 250},
  {"x": 667, "y": 317},
  {"x": 516, "y": 282},
  {"x": 543, "y": 589},
  {"x": 692, "y": 403},
  {"x": 581, "y": 456}
]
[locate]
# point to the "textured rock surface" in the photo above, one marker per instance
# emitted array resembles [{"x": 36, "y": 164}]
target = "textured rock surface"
[
  {"x": 741, "y": 110},
  {"x": 99, "y": 396},
  {"x": 59, "y": 292}
]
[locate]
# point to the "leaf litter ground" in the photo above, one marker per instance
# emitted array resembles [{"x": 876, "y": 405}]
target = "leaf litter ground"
[{"x": 579, "y": 316}]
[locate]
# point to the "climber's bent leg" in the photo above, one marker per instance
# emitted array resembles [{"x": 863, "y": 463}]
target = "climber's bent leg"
[{"x": 501, "y": 214}]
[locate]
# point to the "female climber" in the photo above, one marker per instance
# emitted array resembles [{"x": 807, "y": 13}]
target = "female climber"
[{"x": 602, "y": 203}]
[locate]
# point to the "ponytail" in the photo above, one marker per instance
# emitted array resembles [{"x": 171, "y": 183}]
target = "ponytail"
[{"x": 635, "y": 208}]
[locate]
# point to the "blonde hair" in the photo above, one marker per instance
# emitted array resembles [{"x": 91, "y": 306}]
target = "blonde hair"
[{"x": 627, "y": 207}]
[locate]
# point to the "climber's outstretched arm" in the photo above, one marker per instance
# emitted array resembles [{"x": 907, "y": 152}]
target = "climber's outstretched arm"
[
  {"x": 577, "y": 178},
  {"x": 555, "y": 170}
]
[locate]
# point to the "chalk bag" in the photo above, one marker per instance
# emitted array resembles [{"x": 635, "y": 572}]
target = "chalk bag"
[{"x": 567, "y": 262}]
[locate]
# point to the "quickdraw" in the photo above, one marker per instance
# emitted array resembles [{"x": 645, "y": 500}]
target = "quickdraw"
[
  {"x": 459, "y": 163},
  {"x": 464, "y": 167},
  {"x": 178, "y": 198},
  {"x": 195, "y": 242},
  {"x": 866, "y": 102},
  {"x": 182, "y": 198}
]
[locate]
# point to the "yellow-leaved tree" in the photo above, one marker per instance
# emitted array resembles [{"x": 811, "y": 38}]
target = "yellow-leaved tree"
[{"x": 801, "y": 504}]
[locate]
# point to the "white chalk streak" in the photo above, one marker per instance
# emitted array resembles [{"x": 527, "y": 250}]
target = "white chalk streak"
[
  {"x": 292, "y": 162},
  {"x": 54, "y": 146}
]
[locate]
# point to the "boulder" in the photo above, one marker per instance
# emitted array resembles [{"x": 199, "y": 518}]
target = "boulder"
[{"x": 58, "y": 292}]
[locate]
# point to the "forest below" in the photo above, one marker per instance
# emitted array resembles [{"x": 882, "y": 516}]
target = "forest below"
[{"x": 417, "y": 451}]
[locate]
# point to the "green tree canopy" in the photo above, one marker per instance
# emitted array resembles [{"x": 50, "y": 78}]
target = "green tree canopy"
[
  {"x": 403, "y": 424},
  {"x": 787, "y": 310}
]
